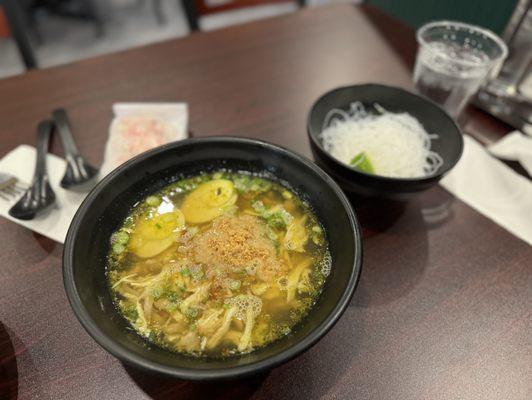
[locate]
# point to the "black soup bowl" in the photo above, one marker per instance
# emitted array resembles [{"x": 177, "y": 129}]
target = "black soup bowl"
[
  {"x": 448, "y": 145},
  {"x": 87, "y": 244}
]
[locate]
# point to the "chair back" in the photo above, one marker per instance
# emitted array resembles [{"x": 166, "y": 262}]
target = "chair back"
[
  {"x": 206, "y": 7},
  {"x": 195, "y": 9}
]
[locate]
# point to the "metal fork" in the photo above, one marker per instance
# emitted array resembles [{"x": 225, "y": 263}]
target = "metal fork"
[{"x": 10, "y": 186}]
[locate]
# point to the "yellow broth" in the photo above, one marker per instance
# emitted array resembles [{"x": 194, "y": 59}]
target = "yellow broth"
[{"x": 218, "y": 265}]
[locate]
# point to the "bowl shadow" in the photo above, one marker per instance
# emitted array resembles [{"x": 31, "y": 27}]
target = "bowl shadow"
[
  {"x": 395, "y": 262},
  {"x": 376, "y": 215},
  {"x": 45, "y": 243},
  {"x": 159, "y": 387},
  {"x": 436, "y": 208}
]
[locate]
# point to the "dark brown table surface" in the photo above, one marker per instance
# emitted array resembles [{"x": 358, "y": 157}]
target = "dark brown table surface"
[{"x": 443, "y": 308}]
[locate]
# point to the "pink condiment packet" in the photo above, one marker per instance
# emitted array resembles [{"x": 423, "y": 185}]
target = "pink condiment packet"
[{"x": 138, "y": 127}]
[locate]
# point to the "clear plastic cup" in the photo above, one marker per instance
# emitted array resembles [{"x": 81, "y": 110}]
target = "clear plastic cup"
[{"x": 453, "y": 60}]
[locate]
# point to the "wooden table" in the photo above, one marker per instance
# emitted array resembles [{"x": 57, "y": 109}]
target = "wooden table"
[{"x": 443, "y": 308}]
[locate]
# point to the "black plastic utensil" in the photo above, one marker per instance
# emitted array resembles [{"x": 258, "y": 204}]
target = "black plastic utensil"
[
  {"x": 40, "y": 195},
  {"x": 78, "y": 170}
]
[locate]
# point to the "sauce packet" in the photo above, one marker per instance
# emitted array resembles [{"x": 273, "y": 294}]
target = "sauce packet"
[{"x": 138, "y": 127}]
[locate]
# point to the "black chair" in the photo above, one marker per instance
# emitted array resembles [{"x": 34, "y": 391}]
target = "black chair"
[
  {"x": 85, "y": 10},
  {"x": 19, "y": 15},
  {"x": 18, "y": 24},
  {"x": 195, "y": 9}
]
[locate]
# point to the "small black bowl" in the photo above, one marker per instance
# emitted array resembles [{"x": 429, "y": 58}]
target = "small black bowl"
[
  {"x": 106, "y": 206},
  {"x": 449, "y": 144}
]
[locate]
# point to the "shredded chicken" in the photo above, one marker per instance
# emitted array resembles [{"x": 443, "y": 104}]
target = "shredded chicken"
[
  {"x": 293, "y": 278},
  {"x": 222, "y": 330},
  {"x": 209, "y": 322},
  {"x": 189, "y": 342},
  {"x": 199, "y": 296},
  {"x": 245, "y": 340}
]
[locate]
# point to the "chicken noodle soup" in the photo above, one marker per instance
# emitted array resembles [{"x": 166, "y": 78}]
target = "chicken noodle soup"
[{"x": 218, "y": 264}]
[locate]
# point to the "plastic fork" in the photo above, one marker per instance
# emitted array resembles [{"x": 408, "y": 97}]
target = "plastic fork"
[{"x": 10, "y": 186}]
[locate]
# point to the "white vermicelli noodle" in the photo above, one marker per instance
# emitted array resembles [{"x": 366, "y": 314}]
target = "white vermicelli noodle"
[{"x": 396, "y": 144}]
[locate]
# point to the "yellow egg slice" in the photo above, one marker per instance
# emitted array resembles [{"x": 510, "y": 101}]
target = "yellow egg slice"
[
  {"x": 154, "y": 235},
  {"x": 161, "y": 225},
  {"x": 208, "y": 201},
  {"x": 145, "y": 248}
]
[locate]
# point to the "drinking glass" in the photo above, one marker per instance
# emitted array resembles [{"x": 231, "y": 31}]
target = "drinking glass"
[{"x": 453, "y": 60}]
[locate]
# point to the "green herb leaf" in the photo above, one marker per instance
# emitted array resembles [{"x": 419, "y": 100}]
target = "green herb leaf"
[
  {"x": 197, "y": 273},
  {"x": 191, "y": 312},
  {"x": 173, "y": 297},
  {"x": 118, "y": 248},
  {"x": 258, "y": 206},
  {"x": 157, "y": 293},
  {"x": 279, "y": 218},
  {"x": 286, "y": 194},
  {"x": 233, "y": 284},
  {"x": 131, "y": 313},
  {"x": 276, "y": 218},
  {"x": 171, "y": 307},
  {"x": 153, "y": 201},
  {"x": 245, "y": 183},
  {"x": 120, "y": 237},
  {"x": 153, "y": 336}
]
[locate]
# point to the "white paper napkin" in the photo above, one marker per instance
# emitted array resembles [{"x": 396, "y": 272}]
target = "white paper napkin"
[
  {"x": 493, "y": 189},
  {"x": 54, "y": 221},
  {"x": 526, "y": 86},
  {"x": 514, "y": 147}
]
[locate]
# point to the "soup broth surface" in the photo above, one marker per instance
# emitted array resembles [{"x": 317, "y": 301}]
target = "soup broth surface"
[{"x": 218, "y": 264}]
